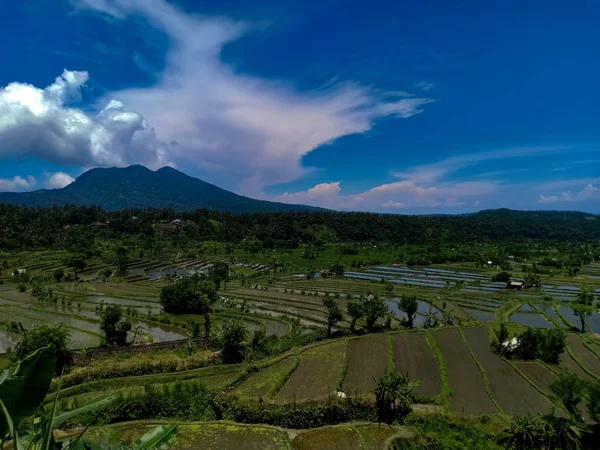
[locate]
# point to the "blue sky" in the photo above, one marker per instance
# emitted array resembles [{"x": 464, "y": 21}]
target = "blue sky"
[{"x": 389, "y": 106}]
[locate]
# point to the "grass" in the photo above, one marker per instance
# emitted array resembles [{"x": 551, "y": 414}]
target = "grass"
[{"x": 445, "y": 390}]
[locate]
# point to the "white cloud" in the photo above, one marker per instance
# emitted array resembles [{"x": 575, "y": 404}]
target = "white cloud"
[
  {"x": 16, "y": 184},
  {"x": 58, "y": 180},
  {"x": 425, "y": 85},
  {"x": 399, "y": 194},
  {"x": 239, "y": 126},
  {"x": 39, "y": 123},
  {"x": 393, "y": 204},
  {"x": 589, "y": 192}
]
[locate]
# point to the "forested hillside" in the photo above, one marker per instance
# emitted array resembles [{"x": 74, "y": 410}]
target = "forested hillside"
[{"x": 22, "y": 227}]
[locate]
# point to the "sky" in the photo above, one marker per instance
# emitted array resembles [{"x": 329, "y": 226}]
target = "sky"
[{"x": 404, "y": 107}]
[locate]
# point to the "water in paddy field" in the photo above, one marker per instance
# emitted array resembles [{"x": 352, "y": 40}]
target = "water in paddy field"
[
  {"x": 153, "y": 306},
  {"x": 483, "y": 316},
  {"x": 594, "y": 322},
  {"x": 527, "y": 308},
  {"x": 422, "y": 309},
  {"x": 159, "y": 333},
  {"x": 568, "y": 314},
  {"x": 531, "y": 320}
]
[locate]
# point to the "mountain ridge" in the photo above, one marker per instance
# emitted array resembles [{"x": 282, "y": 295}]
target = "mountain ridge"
[{"x": 136, "y": 186}]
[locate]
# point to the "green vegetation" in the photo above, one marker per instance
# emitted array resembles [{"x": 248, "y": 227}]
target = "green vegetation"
[{"x": 288, "y": 320}]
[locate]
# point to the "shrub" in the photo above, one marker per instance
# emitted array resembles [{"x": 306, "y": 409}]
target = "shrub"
[{"x": 56, "y": 337}]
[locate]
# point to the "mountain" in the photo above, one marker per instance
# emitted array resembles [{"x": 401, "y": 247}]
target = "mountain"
[{"x": 139, "y": 187}]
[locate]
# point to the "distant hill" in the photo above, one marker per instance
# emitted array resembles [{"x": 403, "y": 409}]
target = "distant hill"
[{"x": 136, "y": 186}]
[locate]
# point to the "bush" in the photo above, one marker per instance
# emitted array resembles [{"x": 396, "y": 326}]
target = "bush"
[
  {"x": 55, "y": 337},
  {"x": 502, "y": 277},
  {"x": 233, "y": 335}
]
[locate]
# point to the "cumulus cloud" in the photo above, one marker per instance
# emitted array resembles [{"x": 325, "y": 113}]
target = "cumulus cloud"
[
  {"x": 39, "y": 123},
  {"x": 589, "y": 192},
  {"x": 16, "y": 184},
  {"x": 399, "y": 194},
  {"x": 245, "y": 128},
  {"x": 58, "y": 180}
]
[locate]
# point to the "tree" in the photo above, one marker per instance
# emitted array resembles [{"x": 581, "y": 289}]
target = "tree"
[
  {"x": 431, "y": 318},
  {"x": 114, "y": 326},
  {"x": 58, "y": 274},
  {"x": 569, "y": 390},
  {"x": 75, "y": 261},
  {"x": 409, "y": 305},
  {"x": 524, "y": 433},
  {"x": 389, "y": 289},
  {"x": 219, "y": 273},
  {"x": 393, "y": 397},
  {"x": 373, "y": 308},
  {"x": 532, "y": 279},
  {"x": 593, "y": 400},
  {"x": 234, "y": 335},
  {"x": 503, "y": 277},
  {"x": 54, "y": 338},
  {"x": 190, "y": 295},
  {"x": 553, "y": 345},
  {"x": 502, "y": 336},
  {"x": 582, "y": 306},
  {"x": 355, "y": 310},
  {"x": 122, "y": 258},
  {"x": 561, "y": 433},
  {"x": 334, "y": 313},
  {"x": 337, "y": 268}
]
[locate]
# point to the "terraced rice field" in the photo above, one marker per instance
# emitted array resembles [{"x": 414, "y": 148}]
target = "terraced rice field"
[
  {"x": 549, "y": 311},
  {"x": 469, "y": 395},
  {"x": 539, "y": 375},
  {"x": 367, "y": 360},
  {"x": 213, "y": 376},
  {"x": 514, "y": 394},
  {"x": 224, "y": 436},
  {"x": 530, "y": 319},
  {"x": 584, "y": 355},
  {"x": 317, "y": 375},
  {"x": 261, "y": 383},
  {"x": 568, "y": 364},
  {"x": 483, "y": 316},
  {"x": 413, "y": 355}
]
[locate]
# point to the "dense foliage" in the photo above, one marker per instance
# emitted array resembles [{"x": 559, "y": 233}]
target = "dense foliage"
[
  {"x": 44, "y": 228},
  {"x": 190, "y": 295},
  {"x": 114, "y": 325},
  {"x": 53, "y": 338},
  {"x": 533, "y": 343}
]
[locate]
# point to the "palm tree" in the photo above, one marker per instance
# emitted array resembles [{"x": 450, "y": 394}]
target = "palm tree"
[
  {"x": 393, "y": 397},
  {"x": 524, "y": 433}
]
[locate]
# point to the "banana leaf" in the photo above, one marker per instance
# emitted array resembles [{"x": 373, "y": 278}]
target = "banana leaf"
[
  {"x": 23, "y": 389},
  {"x": 59, "y": 419}
]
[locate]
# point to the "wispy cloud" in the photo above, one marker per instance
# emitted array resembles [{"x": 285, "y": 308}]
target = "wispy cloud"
[{"x": 250, "y": 130}]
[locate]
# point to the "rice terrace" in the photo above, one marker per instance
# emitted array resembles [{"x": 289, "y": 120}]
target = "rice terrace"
[
  {"x": 299, "y": 338},
  {"x": 299, "y": 225}
]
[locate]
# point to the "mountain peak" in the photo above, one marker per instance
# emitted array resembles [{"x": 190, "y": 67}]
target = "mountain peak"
[{"x": 136, "y": 186}]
